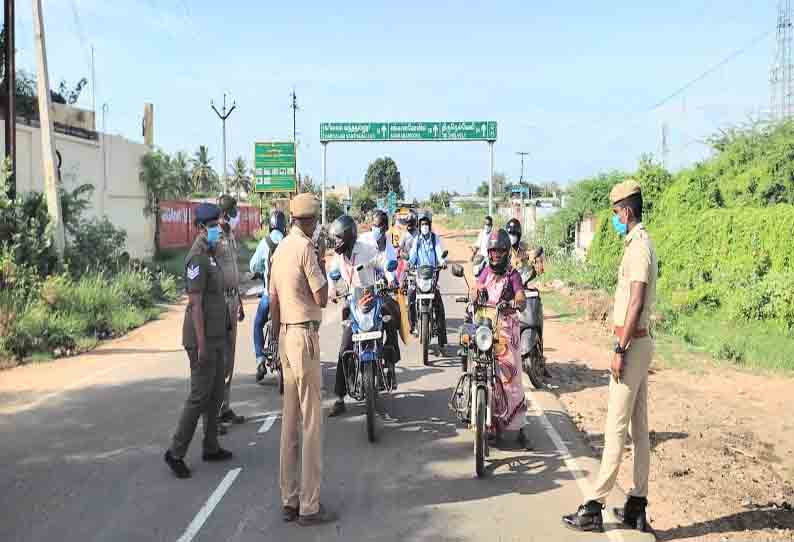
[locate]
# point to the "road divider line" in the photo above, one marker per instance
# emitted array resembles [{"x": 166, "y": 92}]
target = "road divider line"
[
  {"x": 267, "y": 424},
  {"x": 570, "y": 462},
  {"x": 203, "y": 514}
]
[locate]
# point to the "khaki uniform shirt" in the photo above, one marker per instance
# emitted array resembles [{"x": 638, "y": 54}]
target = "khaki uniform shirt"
[
  {"x": 228, "y": 251},
  {"x": 295, "y": 276},
  {"x": 203, "y": 275},
  {"x": 639, "y": 264},
  {"x": 519, "y": 257}
]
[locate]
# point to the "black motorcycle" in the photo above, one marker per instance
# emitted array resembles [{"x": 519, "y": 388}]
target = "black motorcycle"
[
  {"x": 425, "y": 279},
  {"x": 533, "y": 360}
]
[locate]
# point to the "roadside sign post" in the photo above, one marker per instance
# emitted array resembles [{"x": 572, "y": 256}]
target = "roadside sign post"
[
  {"x": 351, "y": 132},
  {"x": 274, "y": 167}
]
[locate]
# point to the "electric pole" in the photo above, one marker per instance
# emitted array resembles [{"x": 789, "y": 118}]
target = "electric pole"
[
  {"x": 223, "y": 116},
  {"x": 47, "y": 139},
  {"x": 522, "y": 154},
  {"x": 9, "y": 87},
  {"x": 294, "y": 107}
]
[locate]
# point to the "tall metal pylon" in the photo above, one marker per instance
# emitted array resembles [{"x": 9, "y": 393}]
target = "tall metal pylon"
[{"x": 780, "y": 77}]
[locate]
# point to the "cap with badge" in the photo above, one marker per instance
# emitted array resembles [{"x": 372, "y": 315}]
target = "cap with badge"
[
  {"x": 304, "y": 206},
  {"x": 624, "y": 190},
  {"x": 207, "y": 212}
]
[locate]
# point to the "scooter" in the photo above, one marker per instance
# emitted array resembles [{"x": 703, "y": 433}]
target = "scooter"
[{"x": 533, "y": 360}]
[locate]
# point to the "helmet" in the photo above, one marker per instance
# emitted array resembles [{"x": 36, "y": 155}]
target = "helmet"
[
  {"x": 344, "y": 233},
  {"x": 513, "y": 228},
  {"x": 488, "y": 220},
  {"x": 380, "y": 220},
  {"x": 499, "y": 241},
  {"x": 228, "y": 205},
  {"x": 410, "y": 220},
  {"x": 278, "y": 221},
  {"x": 425, "y": 217}
]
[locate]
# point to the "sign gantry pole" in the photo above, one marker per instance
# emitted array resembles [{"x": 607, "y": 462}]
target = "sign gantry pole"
[
  {"x": 325, "y": 172},
  {"x": 490, "y": 180}
]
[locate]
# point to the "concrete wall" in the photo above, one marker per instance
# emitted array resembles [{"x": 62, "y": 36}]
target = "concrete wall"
[
  {"x": 110, "y": 164},
  {"x": 585, "y": 233}
]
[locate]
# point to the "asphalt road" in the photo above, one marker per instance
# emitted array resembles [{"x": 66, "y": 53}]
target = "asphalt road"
[{"x": 82, "y": 456}]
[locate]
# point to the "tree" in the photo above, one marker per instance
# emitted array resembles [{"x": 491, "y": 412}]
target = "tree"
[
  {"x": 180, "y": 165},
  {"x": 333, "y": 208},
  {"x": 363, "y": 202},
  {"x": 439, "y": 201},
  {"x": 158, "y": 175},
  {"x": 204, "y": 177},
  {"x": 66, "y": 95},
  {"x": 240, "y": 181},
  {"x": 499, "y": 183},
  {"x": 384, "y": 177}
]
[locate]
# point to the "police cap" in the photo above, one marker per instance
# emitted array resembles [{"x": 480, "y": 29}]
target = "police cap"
[
  {"x": 624, "y": 190},
  {"x": 207, "y": 212},
  {"x": 304, "y": 206}
]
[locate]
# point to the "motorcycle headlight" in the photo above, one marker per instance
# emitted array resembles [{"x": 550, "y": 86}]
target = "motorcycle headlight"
[
  {"x": 424, "y": 284},
  {"x": 366, "y": 321},
  {"x": 484, "y": 338}
]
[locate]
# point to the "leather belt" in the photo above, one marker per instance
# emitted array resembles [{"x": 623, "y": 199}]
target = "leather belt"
[
  {"x": 638, "y": 334},
  {"x": 312, "y": 325}
]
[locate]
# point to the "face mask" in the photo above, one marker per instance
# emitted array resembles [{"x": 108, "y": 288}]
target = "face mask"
[
  {"x": 234, "y": 222},
  {"x": 620, "y": 227},
  {"x": 514, "y": 239},
  {"x": 213, "y": 234},
  {"x": 425, "y": 229},
  {"x": 377, "y": 233}
]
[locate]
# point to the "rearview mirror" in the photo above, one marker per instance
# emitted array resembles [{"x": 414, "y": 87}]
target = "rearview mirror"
[
  {"x": 391, "y": 266},
  {"x": 360, "y": 267},
  {"x": 444, "y": 254},
  {"x": 478, "y": 259},
  {"x": 335, "y": 275},
  {"x": 456, "y": 270}
]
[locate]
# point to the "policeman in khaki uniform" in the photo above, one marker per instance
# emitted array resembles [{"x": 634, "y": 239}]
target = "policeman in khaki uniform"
[
  {"x": 628, "y": 388},
  {"x": 228, "y": 252},
  {"x": 298, "y": 293},
  {"x": 204, "y": 333}
]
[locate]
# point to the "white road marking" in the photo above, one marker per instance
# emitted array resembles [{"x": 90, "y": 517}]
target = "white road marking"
[
  {"x": 571, "y": 463},
  {"x": 195, "y": 525},
  {"x": 268, "y": 423}
]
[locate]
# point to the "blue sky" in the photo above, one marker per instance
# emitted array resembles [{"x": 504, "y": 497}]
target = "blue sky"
[{"x": 571, "y": 83}]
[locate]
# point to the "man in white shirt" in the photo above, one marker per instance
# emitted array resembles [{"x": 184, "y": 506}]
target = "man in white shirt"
[{"x": 481, "y": 246}]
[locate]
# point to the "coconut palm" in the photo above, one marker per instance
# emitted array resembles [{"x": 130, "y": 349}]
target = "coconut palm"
[
  {"x": 158, "y": 175},
  {"x": 239, "y": 178},
  {"x": 182, "y": 173},
  {"x": 204, "y": 177}
]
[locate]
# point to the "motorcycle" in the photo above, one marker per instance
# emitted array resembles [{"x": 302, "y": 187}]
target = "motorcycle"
[
  {"x": 367, "y": 361},
  {"x": 479, "y": 398},
  {"x": 468, "y": 327},
  {"x": 533, "y": 360},
  {"x": 272, "y": 358},
  {"x": 425, "y": 280}
]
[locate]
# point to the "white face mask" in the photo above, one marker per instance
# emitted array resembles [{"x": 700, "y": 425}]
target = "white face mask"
[
  {"x": 425, "y": 229},
  {"x": 513, "y": 239}
]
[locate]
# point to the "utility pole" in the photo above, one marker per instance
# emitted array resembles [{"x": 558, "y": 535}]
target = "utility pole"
[
  {"x": 522, "y": 154},
  {"x": 47, "y": 138},
  {"x": 10, "y": 90},
  {"x": 223, "y": 116},
  {"x": 93, "y": 86},
  {"x": 665, "y": 145},
  {"x": 294, "y": 107}
]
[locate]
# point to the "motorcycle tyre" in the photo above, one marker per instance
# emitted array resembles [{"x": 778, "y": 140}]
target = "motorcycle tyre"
[
  {"x": 425, "y": 330},
  {"x": 480, "y": 434},
  {"x": 370, "y": 391}
]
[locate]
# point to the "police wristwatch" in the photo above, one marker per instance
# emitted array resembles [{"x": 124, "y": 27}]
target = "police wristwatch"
[{"x": 619, "y": 349}]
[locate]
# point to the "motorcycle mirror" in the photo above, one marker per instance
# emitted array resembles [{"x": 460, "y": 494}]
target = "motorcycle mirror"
[
  {"x": 461, "y": 299},
  {"x": 456, "y": 270},
  {"x": 478, "y": 259},
  {"x": 391, "y": 266},
  {"x": 360, "y": 267},
  {"x": 444, "y": 254}
]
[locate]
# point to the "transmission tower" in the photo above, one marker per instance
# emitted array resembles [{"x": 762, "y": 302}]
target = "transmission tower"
[{"x": 780, "y": 77}]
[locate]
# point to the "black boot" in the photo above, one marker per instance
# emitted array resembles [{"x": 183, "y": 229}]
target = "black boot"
[
  {"x": 586, "y": 519},
  {"x": 633, "y": 514}
]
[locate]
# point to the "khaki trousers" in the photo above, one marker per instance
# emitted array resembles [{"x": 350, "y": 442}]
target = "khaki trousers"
[
  {"x": 628, "y": 411},
  {"x": 300, "y": 358},
  {"x": 230, "y": 348}
]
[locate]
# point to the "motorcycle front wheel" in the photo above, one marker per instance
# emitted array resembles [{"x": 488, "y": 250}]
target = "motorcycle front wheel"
[
  {"x": 535, "y": 367},
  {"x": 425, "y": 330},
  {"x": 369, "y": 390},
  {"x": 480, "y": 433}
]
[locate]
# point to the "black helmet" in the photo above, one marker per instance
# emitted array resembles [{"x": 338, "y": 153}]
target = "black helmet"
[
  {"x": 381, "y": 220},
  {"x": 489, "y": 221},
  {"x": 278, "y": 221},
  {"x": 344, "y": 233},
  {"x": 513, "y": 227},
  {"x": 499, "y": 240}
]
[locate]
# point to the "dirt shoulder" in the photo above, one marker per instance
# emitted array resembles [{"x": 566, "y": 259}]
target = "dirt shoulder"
[{"x": 722, "y": 463}]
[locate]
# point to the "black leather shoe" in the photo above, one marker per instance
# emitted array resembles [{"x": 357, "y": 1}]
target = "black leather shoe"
[
  {"x": 633, "y": 514},
  {"x": 177, "y": 465},
  {"x": 586, "y": 519},
  {"x": 289, "y": 514},
  {"x": 230, "y": 417},
  {"x": 338, "y": 409},
  {"x": 219, "y": 455},
  {"x": 261, "y": 371},
  {"x": 322, "y": 516}
]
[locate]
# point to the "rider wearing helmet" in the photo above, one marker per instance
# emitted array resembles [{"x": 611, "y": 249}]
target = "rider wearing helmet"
[
  {"x": 527, "y": 262},
  {"x": 410, "y": 233},
  {"x": 427, "y": 250},
  {"x": 351, "y": 252},
  {"x": 500, "y": 283},
  {"x": 260, "y": 265}
]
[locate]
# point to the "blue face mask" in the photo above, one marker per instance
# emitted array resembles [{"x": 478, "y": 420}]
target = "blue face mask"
[
  {"x": 213, "y": 234},
  {"x": 377, "y": 233},
  {"x": 621, "y": 228}
]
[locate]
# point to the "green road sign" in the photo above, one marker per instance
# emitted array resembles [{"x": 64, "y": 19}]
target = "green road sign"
[
  {"x": 274, "y": 167},
  {"x": 408, "y": 131},
  {"x": 392, "y": 202},
  {"x": 518, "y": 189}
]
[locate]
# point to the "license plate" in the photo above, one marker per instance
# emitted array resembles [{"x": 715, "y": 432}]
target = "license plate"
[
  {"x": 533, "y": 293},
  {"x": 425, "y": 296},
  {"x": 371, "y": 336}
]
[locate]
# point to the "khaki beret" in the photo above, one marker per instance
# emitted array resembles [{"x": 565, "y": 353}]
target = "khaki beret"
[
  {"x": 624, "y": 190},
  {"x": 304, "y": 206}
]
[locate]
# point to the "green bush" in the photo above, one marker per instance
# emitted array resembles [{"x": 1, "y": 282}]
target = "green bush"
[{"x": 96, "y": 244}]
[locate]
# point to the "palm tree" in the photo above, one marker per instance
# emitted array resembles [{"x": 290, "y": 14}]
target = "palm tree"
[
  {"x": 157, "y": 174},
  {"x": 182, "y": 173},
  {"x": 240, "y": 180},
  {"x": 204, "y": 177}
]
